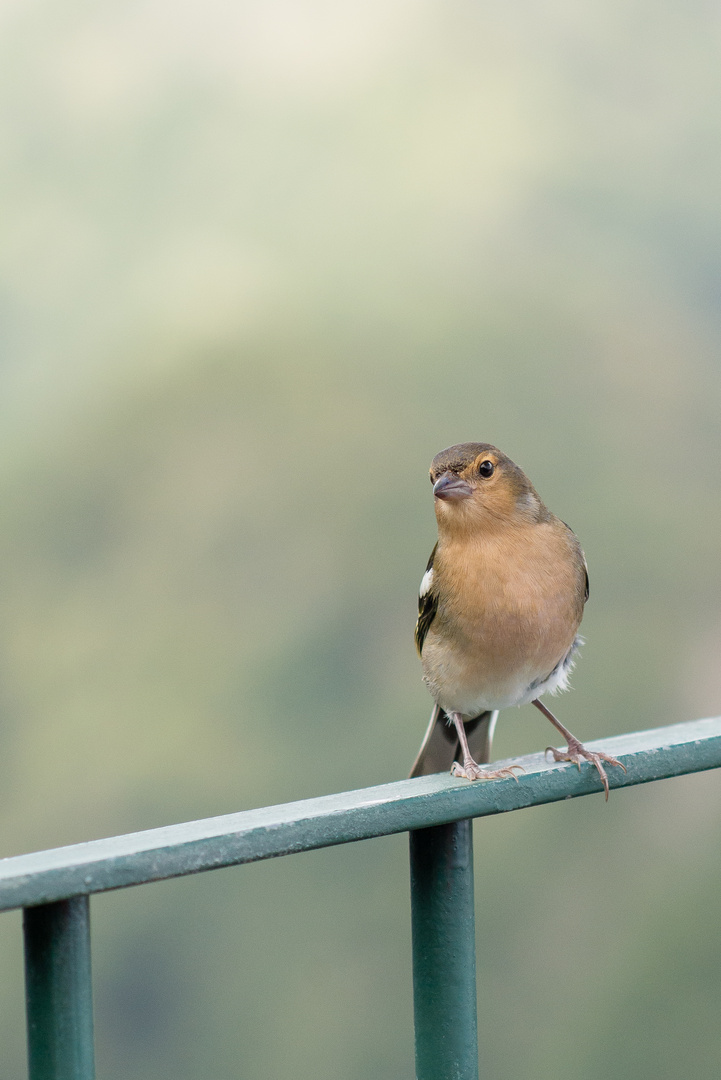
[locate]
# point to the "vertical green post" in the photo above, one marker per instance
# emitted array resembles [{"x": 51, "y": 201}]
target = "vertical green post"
[
  {"x": 58, "y": 991},
  {"x": 444, "y": 952}
]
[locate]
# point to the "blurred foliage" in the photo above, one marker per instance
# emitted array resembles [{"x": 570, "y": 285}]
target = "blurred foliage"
[{"x": 261, "y": 261}]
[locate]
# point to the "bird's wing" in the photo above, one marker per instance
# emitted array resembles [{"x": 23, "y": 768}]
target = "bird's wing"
[
  {"x": 587, "y": 588},
  {"x": 427, "y": 603},
  {"x": 440, "y": 747},
  {"x": 582, "y": 563}
]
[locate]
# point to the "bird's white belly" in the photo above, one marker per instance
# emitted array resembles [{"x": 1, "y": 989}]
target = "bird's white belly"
[{"x": 460, "y": 681}]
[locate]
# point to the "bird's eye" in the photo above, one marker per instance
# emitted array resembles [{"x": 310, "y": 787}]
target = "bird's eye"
[{"x": 486, "y": 469}]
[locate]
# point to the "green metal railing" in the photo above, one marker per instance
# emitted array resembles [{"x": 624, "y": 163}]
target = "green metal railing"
[{"x": 54, "y": 886}]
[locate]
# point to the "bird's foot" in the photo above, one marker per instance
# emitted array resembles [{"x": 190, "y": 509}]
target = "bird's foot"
[
  {"x": 472, "y": 771},
  {"x": 577, "y": 752}
]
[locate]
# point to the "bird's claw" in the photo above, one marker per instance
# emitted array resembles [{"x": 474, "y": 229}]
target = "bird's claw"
[
  {"x": 472, "y": 771},
  {"x": 577, "y": 752}
]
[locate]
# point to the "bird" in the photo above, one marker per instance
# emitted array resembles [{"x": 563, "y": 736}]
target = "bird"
[{"x": 499, "y": 609}]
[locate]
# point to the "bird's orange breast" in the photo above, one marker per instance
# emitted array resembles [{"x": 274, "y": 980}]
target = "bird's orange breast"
[{"x": 510, "y": 603}]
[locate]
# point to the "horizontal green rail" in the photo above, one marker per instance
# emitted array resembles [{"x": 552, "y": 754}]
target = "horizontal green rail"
[{"x": 156, "y": 854}]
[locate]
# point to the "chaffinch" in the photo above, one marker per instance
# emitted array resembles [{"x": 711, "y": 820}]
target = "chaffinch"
[{"x": 498, "y": 612}]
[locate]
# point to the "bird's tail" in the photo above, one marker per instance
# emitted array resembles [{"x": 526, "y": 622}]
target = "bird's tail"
[{"x": 440, "y": 747}]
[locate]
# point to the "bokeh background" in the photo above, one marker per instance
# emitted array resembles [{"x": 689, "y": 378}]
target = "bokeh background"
[{"x": 261, "y": 260}]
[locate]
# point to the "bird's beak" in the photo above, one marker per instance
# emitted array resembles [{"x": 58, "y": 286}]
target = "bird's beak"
[{"x": 450, "y": 486}]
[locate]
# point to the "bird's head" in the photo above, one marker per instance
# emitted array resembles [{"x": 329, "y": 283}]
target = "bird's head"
[{"x": 475, "y": 485}]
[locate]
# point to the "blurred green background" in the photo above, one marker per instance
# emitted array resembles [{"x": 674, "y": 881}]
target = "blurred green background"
[{"x": 261, "y": 260}]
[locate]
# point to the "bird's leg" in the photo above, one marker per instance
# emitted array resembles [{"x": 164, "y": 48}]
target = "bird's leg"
[
  {"x": 470, "y": 769},
  {"x": 577, "y": 750}
]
